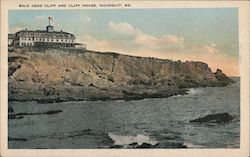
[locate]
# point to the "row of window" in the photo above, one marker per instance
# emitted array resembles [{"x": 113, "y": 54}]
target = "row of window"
[
  {"x": 26, "y": 44},
  {"x": 45, "y": 39},
  {"x": 27, "y": 39},
  {"x": 48, "y": 34}
]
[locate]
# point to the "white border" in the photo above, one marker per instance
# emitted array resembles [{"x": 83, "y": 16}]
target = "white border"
[{"x": 244, "y": 25}]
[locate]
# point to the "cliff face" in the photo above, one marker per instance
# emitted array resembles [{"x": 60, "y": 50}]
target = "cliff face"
[{"x": 54, "y": 75}]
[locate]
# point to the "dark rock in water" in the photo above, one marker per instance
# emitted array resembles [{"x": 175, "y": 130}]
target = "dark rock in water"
[
  {"x": 183, "y": 146},
  {"x": 14, "y": 116},
  {"x": 53, "y": 112},
  {"x": 215, "y": 118},
  {"x": 134, "y": 144},
  {"x": 81, "y": 133},
  {"x": 39, "y": 113},
  {"x": 16, "y": 139},
  {"x": 145, "y": 145},
  {"x": 173, "y": 145},
  {"x": 116, "y": 146},
  {"x": 10, "y": 109}
]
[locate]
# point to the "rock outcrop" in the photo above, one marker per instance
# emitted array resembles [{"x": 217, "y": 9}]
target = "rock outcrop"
[
  {"x": 215, "y": 118},
  {"x": 54, "y": 76}
]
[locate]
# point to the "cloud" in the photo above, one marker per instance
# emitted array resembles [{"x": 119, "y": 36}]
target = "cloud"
[
  {"x": 146, "y": 40},
  {"x": 210, "y": 49},
  {"x": 205, "y": 49},
  {"x": 102, "y": 44},
  {"x": 163, "y": 42},
  {"x": 123, "y": 28}
]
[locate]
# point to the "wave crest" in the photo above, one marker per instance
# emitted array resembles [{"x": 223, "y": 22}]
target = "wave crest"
[
  {"x": 193, "y": 91},
  {"x": 126, "y": 140}
]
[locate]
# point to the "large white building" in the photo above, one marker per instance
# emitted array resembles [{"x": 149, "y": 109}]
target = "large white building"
[{"x": 43, "y": 38}]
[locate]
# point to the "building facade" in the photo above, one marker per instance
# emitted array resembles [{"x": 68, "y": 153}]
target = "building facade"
[{"x": 44, "y": 38}]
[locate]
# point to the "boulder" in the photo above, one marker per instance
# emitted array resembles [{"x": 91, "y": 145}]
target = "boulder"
[
  {"x": 116, "y": 146},
  {"x": 215, "y": 118},
  {"x": 144, "y": 145}
]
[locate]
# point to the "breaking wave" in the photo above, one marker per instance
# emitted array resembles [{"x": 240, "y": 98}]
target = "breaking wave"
[
  {"x": 191, "y": 145},
  {"x": 193, "y": 91},
  {"x": 128, "y": 140}
]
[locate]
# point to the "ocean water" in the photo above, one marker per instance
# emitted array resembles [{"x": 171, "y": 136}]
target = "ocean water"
[{"x": 163, "y": 122}]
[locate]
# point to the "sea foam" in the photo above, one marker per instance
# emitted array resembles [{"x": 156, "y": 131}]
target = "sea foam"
[
  {"x": 193, "y": 91},
  {"x": 126, "y": 140}
]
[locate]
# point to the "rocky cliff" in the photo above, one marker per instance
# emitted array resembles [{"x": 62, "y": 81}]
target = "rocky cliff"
[{"x": 54, "y": 75}]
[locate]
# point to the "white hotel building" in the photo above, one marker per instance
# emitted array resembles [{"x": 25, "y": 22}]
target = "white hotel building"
[{"x": 43, "y": 38}]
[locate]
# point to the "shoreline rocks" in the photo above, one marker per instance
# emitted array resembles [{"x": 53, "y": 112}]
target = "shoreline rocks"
[{"x": 53, "y": 76}]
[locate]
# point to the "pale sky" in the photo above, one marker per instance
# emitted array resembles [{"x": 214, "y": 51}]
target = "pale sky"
[{"x": 209, "y": 35}]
